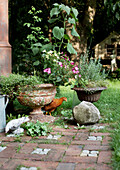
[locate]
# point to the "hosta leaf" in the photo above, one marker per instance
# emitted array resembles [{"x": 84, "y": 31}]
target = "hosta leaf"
[
  {"x": 58, "y": 32},
  {"x": 74, "y": 33},
  {"x": 70, "y": 49},
  {"x": 54, "y": 11}
]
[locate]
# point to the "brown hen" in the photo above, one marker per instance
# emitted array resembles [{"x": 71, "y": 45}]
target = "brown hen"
[{"x": 54, "y": 104}]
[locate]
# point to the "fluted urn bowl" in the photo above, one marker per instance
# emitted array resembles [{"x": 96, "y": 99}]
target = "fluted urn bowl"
[
  {"x": 36, "y": 96},
  {"x": 89, "y": 94}
]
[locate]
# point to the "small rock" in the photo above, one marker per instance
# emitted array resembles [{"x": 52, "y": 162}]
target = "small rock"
[
  {"x": 94, "y": 155},
  {"x": 85, "y": 113},
  {"x": 94, "y": 152},
  {"x": 99, "y": 137},
  {"x": 2, "y": 148},
  {"x": 91, "y": 138},
  {"x": 41, "y": 151},
  {"x": 83, "y": 154},
  {"x": 55, "y": 137},
  {"x": 32, "y": 168},
  {"x": 85, "y": 151}
]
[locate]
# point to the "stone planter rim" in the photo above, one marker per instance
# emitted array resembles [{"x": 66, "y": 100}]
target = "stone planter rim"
[{"x": 93, "y": 89}]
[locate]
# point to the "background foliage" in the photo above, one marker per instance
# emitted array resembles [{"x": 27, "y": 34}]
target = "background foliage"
[{"x": 105, "y": 21}]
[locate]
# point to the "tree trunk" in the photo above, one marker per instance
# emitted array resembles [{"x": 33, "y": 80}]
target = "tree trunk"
[{"x": 84, "y": 29}]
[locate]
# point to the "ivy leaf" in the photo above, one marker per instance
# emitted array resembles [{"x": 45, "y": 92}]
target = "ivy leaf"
[
  {"x": 58, "y": 32},
  {"x": 74, "y": 33},
  {"x": 75, "y": 12},
  {"x": 70, "y": 49},
  {"x": 71, "y": 20},
  {"x": 54, "y": 11}
]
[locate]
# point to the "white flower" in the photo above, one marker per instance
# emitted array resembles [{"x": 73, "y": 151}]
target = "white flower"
[
  {"x": 50, "y": 52},
  {"x": 44, "y": 51}
]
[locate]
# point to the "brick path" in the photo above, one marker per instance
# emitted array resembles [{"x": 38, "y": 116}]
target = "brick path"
[{"x": 71, "y": 151}]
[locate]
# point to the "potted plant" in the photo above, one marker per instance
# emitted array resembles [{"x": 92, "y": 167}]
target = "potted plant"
[
  {"x": 29, "y": 90},
  {"x": 89, "y": 79}
]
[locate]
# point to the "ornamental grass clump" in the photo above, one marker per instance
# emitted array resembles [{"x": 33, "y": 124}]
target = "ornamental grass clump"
[{"x": 89, "y": 73}]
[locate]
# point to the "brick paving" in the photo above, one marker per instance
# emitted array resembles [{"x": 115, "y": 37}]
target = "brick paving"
[{"x": 63, "y": 153}]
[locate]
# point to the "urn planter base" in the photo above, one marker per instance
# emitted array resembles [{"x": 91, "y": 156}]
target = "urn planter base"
[{"x": 89, "y": 94}]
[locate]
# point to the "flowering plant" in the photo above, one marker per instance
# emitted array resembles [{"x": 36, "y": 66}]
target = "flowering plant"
[
  {"x": 89, "y": 73},
  {"x": 57, "y": 67}
]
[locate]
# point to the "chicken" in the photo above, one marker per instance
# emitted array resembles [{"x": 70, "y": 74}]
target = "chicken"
[{"x": 54, "y": 104}]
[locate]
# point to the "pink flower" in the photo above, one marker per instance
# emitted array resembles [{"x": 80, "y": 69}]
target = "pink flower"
[
  {"x": 60, "y": 63},
  {"x": 74, "y": 71},
  {"x": 76, "y": 68},
  {"x": 79, "y": 75},
  {"x": 47, "y": 70},
  {"x": 65, "y": 66},
  {"x": 77, "y": 72},
  {"x": 72, "y": 63}
]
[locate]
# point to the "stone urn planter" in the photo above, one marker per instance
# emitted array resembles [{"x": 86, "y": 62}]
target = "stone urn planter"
[
  {"x": 37, "y": 96},
  {"x": 89, "y": 94}
]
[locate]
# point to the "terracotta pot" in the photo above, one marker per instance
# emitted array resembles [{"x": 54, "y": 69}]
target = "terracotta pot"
[
  {"x": 37, "y": 96},
  {"x": 89, "y": 94}
]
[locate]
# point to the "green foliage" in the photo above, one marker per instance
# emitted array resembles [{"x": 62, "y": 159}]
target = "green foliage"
[
  {"x": 91, "y": 73},
  {"x": 9, "y": 85},
  {"x": 113, "y": 8},
  {"x": 11, "y": 117},
  {"x": 30, "y": 55},
  {"x": 36, "y": 129},
  {"x": 56, "y": 65},
  {"x": 66, "y": 17},
  {"x": 115, "y": 144}
]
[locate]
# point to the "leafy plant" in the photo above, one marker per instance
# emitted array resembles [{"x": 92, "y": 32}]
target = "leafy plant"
[
  {"x": 9, "y": 85},
  {"x": 66, "y": 17},
  {"x": 36, "y": 129},
  {"x": 56, "y": 65},
  {"x": 89, "y": 73},
  {"x": 30, "y": 55}
]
